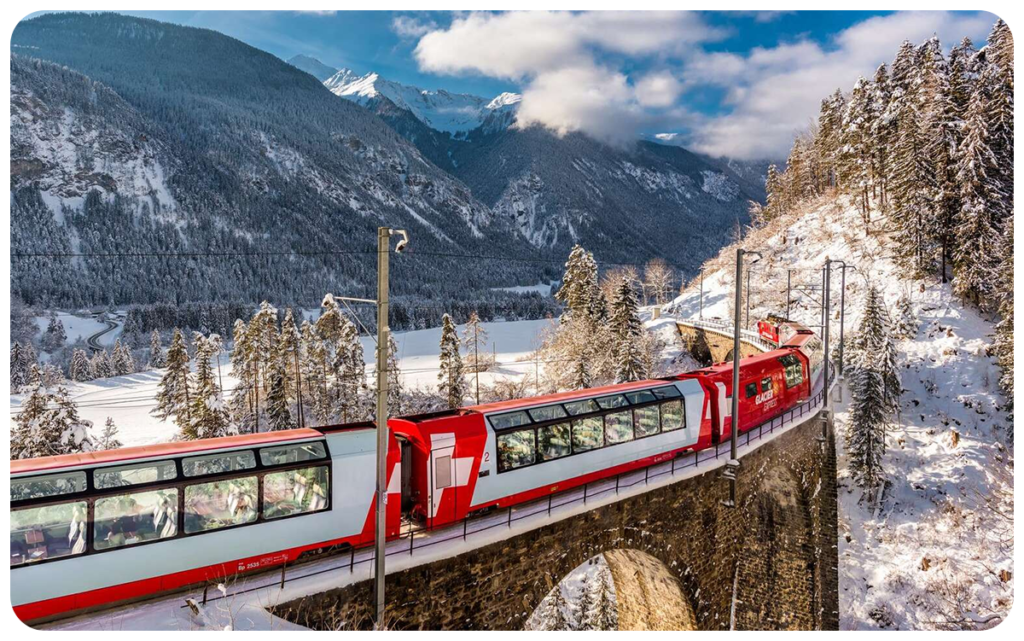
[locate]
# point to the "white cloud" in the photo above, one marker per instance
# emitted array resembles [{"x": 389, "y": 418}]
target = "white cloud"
[
  {"x": 775, "y": 92},
  {"x": 558, "y": 58},
  {"x": 409, "y": 27},
  {"x": 658, "y": 89},
  {"x": 573, "y": 70}
]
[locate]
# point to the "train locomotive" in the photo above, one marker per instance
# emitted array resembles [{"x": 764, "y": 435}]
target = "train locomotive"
[{"x": 92, "y": 530}]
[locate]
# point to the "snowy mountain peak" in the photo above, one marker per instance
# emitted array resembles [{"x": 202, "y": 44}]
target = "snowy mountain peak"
[
  {"x": 440, "y": 109},
  {"x": 312, "y": 66},
  {"x": 505, "y": 99}
]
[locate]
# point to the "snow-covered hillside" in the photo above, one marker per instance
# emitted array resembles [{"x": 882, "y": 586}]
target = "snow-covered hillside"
[
  {"x": 441, "y": 110},
  {"x": 936, "y": 551}
]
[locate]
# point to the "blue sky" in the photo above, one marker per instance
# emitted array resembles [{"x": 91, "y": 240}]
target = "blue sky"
[{"x": 730, "y": 83}]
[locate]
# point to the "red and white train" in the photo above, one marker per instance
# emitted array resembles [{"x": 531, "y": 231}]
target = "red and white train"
[{"x": 92, "y": 530}]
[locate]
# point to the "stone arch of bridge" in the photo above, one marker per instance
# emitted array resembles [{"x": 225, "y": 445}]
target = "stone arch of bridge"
[{"x": 647, "y": 594}]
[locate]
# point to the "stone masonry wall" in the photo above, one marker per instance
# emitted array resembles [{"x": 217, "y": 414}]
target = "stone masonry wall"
[{"x": 776, "y": 554}]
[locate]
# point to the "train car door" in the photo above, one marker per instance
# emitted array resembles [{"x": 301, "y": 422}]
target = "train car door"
[{"x": 442, "y": 478}]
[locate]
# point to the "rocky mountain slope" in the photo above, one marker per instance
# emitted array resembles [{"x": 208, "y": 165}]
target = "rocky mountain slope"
[{"x": 193, "y": 140}]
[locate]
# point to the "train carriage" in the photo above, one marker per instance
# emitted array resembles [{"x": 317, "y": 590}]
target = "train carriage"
[
  {"x": 82, "y": 526},
  {"x": 92, "y": 530}
]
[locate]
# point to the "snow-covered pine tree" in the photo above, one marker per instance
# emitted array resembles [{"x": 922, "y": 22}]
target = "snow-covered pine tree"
[
  {"x": 395, "y": 388},
  {"x": 773, "y": 193},
  {"x": 881, "y": 132},
  {"x": 1003, "y": 278},
  {"x": 102, "y": 367},
  {"x": 80, "y": 368},
  {"x": 856, "y": 143},
  {"x": 976, "y": 227},
  {"x": 52, "y": 375},
  {"x": 827, "y": 142},
  {"x": 314, "y": 376},
  {"x": 172, "y": 394},
  {"x": 279, "y": 414},
  {"x": 943, "y": 130},
  {"x": 628, "y": 333},
  {"x": 351, "y": 402},
  {"x": 998, "y": 81},
  {"x": 244, "y": 404},
  {"x": 472, "y": 337},
  {"x": 54, "y": 337},
  {"x": 19, "y": 368},
  {"x": 263, "y": 334},
  {"x": 156, "y": 350},
  {"x": 556, "y": 615},
  {"x": 584, "y": 605},
  {"x": 122, "y": 362},
  {"x": 451, "y": 384},
  {"x": 605, "y": 616},
  {"x": 905, "y": 324},
  {"x": 291, "y": 346},
  {"x": 108, "y": 438},
  {"x": 48, "y": 424},
  {"x": 579, "y": 284},
  {"x": 909, "y": 171},
  {"x": 870, "y": 401},
  {"x": 207, "y": 417}
]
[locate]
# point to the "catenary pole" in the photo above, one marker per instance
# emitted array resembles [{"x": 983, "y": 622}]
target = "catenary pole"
[
  {"x": 380, "y": 534},
  {"x": 732, "y": 466}
]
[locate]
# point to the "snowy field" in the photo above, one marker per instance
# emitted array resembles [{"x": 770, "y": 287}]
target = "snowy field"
[
  {"x": 79, "y": 327},
  {"x": 129, "y": 399},
  {"x": 936, "y": 551}
]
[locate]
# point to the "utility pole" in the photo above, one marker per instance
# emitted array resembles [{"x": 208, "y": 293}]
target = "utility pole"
[
  {"x": 383, "y": 332},
  {"x": 825, "y": 312},
  {"x": 476, "y": 357},
  {"x": 733, "y": 464}
]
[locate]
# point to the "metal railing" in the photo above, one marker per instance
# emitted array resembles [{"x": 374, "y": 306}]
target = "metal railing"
[
  {"x": 579, "y": 495},
  {"x": 726, "y": 328}
]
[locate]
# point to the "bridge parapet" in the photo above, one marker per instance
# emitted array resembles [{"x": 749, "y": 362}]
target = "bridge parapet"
[{"x": 711, "y": 341}]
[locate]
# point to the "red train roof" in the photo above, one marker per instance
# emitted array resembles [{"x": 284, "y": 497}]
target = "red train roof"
[
  {"x": 564, "y": 396},
  {"x": 159, "y": 450}
]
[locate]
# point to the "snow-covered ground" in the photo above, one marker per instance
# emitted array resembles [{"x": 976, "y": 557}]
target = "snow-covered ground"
[
  {"x": 936, "y": 552},
  {"x": 79, "y": 327}
]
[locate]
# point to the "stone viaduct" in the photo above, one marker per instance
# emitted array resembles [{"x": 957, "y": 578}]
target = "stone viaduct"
[
  {"x": 679, "y": 558},
  {"x": 710, "y": 345}
]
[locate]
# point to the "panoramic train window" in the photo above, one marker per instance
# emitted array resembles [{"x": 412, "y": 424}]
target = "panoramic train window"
[
  {"x": 794, "y": 370},
  {"x": 295, "y": 491},
  {"x": 647, "y": 421},
  {"x": 210, "y": 506},
  {"x": 547, "y": 413},
  {"x": 587, "y": 434},
  {"x": 134, "y": 474},
  {"x": 666, "y": 392},
  {"x": 750, "y": 390},
  {"x": 582, "y": 407},
  {"x": 618, "y": 427},
  {"x": 133, "y": 518},
  {"x": 219, "y": 463},
  {"x": 292, "y": 453},
  {"x": 48, "y": 532},
  {"x": 553, "y": 442},
  {"x": 515, "y": 449},
  {"x": 39, "y": 487},
  {"x": 643, "y": 396},
  {"x": 672, "y": 416},
  {"x": 512, "y": 419},
  {"x": 611, "y": 402}
]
